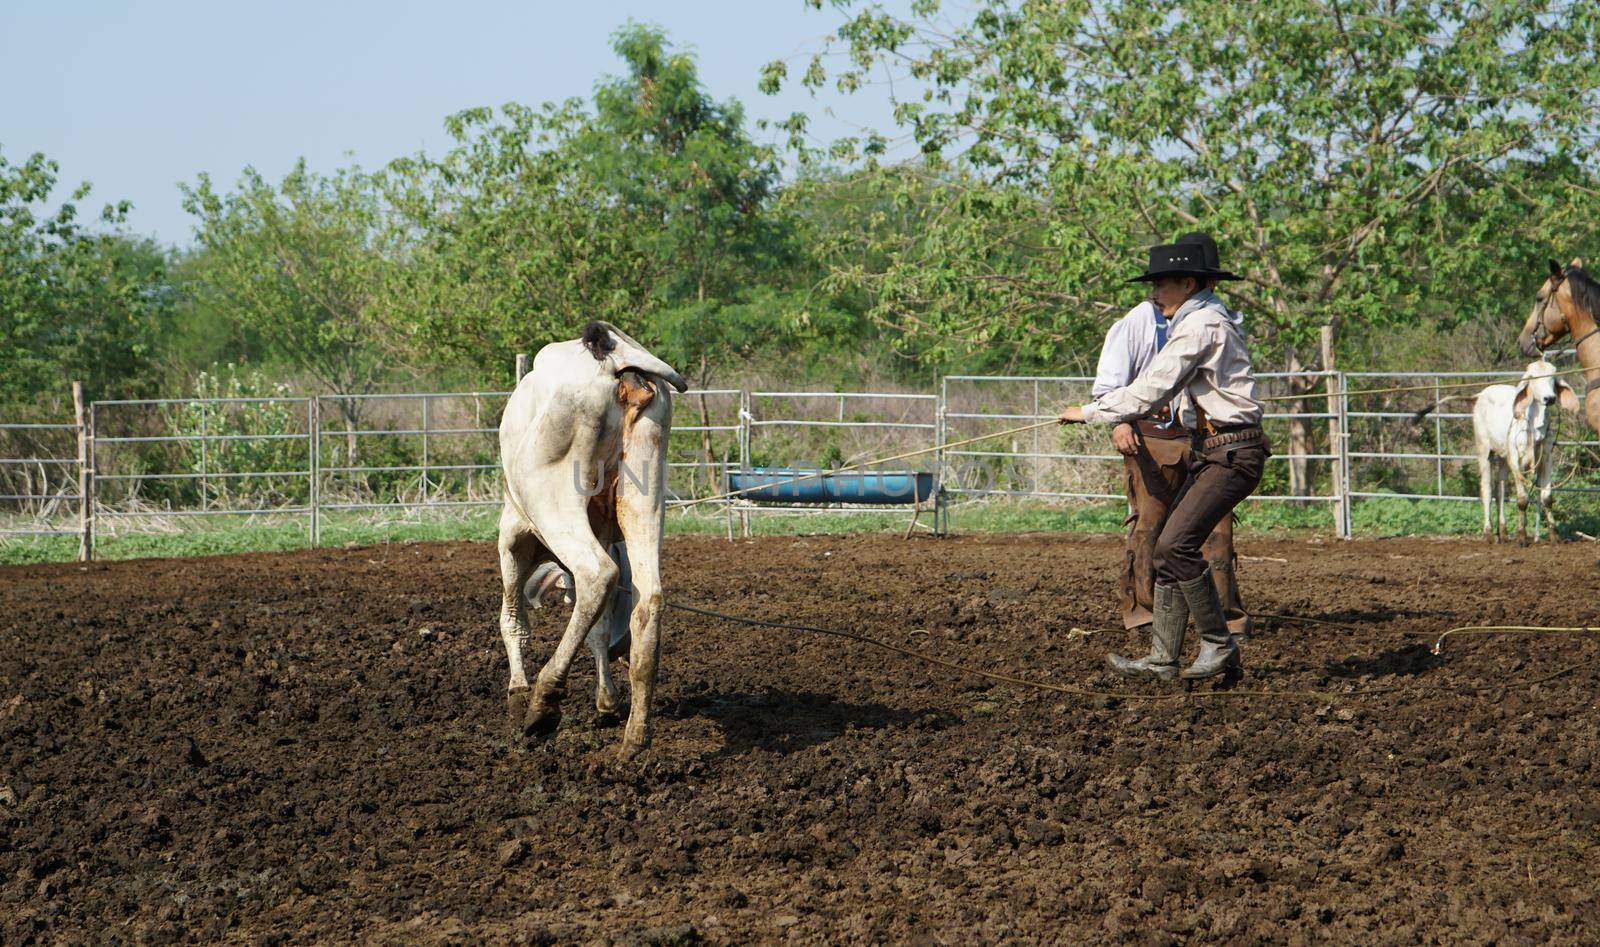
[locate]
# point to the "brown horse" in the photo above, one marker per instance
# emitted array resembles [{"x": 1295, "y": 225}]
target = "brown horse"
[{"x": 1568, "y": 303}]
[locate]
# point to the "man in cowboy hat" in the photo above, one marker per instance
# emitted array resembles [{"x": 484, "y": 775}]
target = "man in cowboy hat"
[
  {"x": 1155, "y": 458},
  {"x": 1204, "y": 369}
]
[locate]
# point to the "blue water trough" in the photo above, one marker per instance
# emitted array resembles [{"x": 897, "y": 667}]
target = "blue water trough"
[{"x": 883, "y": 488}]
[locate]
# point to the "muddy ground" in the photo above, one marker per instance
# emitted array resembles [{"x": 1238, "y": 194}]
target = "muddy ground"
[{"x": 270, "y": 748}]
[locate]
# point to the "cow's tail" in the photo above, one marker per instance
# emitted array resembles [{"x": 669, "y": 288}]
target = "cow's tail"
[
  {"x": 606, "y": 342},
  {"x": 1421, "y": 413}
]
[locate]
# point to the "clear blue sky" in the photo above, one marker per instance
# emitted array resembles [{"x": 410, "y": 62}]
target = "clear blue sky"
[{"x": 135, "y": 97}]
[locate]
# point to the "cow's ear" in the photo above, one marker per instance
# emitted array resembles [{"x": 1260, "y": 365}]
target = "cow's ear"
[
  {"x": 1519, "y": 407},
  {"x": 1569, "y": 398},
  {"x": 1555, "y": 268}
]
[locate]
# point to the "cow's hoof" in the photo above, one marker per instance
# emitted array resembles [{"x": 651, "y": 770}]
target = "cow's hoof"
[
  {"x": 543, "y": 714},
  {"x": 538, "y": 726},
  {"x": 635, "y": 740},
  {"x": 607, "y": 719},
  {"x": 516, "y": 705}
]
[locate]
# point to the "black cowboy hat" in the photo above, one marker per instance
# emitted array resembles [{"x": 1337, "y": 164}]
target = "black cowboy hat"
[{"x": 1192, "y": 254}]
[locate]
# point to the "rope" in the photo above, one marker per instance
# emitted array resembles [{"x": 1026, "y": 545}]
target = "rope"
[
  {"x": 1438, "y": 646},
  {"x": 1124, "y": 695},
  {"x": 1399, "y": 388},
  {"x": 1299, "y": 618}
]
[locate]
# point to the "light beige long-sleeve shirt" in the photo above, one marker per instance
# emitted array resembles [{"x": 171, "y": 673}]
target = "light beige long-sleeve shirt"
[{"x": 1205, "y": 357}]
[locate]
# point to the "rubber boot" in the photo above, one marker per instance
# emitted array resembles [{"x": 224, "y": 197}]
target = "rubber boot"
[
  {"x": 1218, "y": 650},
  {"x": 1166, "y": 639}
]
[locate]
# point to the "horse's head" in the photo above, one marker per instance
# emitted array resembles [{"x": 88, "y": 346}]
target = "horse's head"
[{"x": 1548, "y": 320}]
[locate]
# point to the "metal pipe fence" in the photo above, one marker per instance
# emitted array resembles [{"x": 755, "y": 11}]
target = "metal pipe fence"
[
  {"x": 144, "y": 464},
  {"x": 40, "y": 488},
  {"x": 159, "y": 460},
  {"x": 1078, "y": 463},
  {"x": 1420, "y": 445}
]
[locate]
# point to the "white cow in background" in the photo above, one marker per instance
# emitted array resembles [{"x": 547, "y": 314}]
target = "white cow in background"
[
  {"x": 1515, "y": 431},
  {"x": 583, "y": 447}
]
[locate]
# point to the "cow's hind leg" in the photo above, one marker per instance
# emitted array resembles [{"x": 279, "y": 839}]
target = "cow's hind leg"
[
  {"x": 518, "y": 549},
  {"x": 639, "y": 516},
  {"x": 1500, "y": 502},
  {"x": 594, "y": 576},
  {"x": 1547, "y": 497},
  {"x": 607, "y": 698},
  {"x": 603, "y": 643},
  {"x": 1520, "y": 482},
  {"x": 1486, "y": 491}
]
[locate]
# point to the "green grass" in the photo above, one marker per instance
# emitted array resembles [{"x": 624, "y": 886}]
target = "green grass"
[
  {"x": 223, "y": 536},
  {"x": 208, "y": 537}
]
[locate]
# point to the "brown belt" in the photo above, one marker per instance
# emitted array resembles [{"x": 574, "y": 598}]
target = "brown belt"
[
  {"x": 1150, "y": 428},
  {"x": 1238, "y": 435}
]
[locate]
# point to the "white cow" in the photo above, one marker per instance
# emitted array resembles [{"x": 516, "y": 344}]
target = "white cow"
[
  {"x": 583, "y": 449},
  {"x": 1516, "y": 432}
]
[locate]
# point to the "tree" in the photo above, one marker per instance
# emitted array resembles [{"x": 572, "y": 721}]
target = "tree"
[
  {"x": 540, "y": 219},
  {"x": 684, "y": 163},
  {"x": 298, "y": 264},
  {"x": 1349, "y": 154},
  {"x": 508, "y": 241},
  {"x": 74, "y": 304}
]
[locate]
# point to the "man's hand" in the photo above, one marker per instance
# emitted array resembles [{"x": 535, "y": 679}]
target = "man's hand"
[
  {"x": 1125, "y": 440},
  {"x": 1072, "y": 414}
]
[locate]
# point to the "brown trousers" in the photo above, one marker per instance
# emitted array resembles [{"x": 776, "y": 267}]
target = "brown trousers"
[{"x": 1154, "y": 478}]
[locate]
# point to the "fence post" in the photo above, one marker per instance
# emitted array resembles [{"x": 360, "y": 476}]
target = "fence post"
[
  {"x": 744, "y": 456},
  {"x": 314, "y": 462},
  {"x": 522, "y": 365},
  {"x": 941, "y": 511},
  {"x": 85, "y": 477},
  {"x": 1347, "y": 514},
  {"x": 205, "y": 466},
  {"x": 1036, "y": 467},
  {"x": 424, "y": 450},
  {"x": 1336, "y": 468},
  {"x": 1438, "y": 439}
]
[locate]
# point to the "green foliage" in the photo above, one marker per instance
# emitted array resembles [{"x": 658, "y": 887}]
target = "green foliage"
[
  {"x": 685, "y": 166},
  {"x": 74, "y": 304},
  {"x": 508, "y": 242},
  {"x": 1399, "y": 169},
  {"x": 540, "y": 219},
  {"x": 296, "y": 265},
  {"x": 1361, "y": 163},
  {"x": 263, "y": 436}
]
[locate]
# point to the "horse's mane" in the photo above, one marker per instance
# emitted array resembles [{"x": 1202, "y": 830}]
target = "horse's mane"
[{"x": 1585, "y": 291}]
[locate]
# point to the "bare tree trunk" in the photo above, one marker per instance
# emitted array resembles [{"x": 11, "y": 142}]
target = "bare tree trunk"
[
  {"x": 351, "y": 409},
  {"x": 1299, "y": 432},
  {"x": 705, "y": 435}
]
